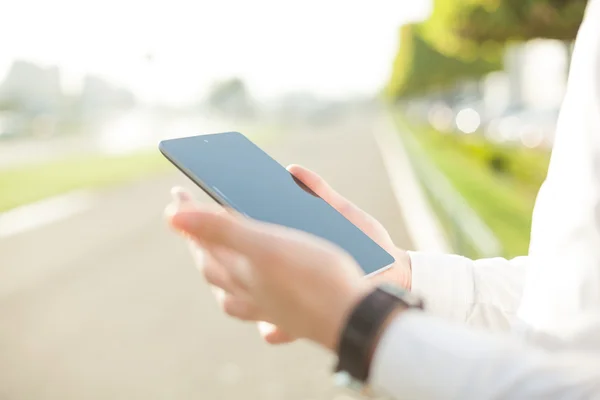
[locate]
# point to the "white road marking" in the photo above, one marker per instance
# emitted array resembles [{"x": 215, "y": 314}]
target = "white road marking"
[
  {"x": 36, "y": 215},
  {"x": 421, "y": 222}
]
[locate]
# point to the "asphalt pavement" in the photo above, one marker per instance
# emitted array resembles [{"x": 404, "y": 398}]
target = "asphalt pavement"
[{"x": 108, "y": 305}]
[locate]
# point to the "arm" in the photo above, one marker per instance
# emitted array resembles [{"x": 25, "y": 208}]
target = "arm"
[
  {"x": 565, "y": 236},
  {"x": 483, "y": 293},
  {"x": 565, "y": 239},
  {"x": 418, "y": 356},
  {"x": 422, "y": 357}
]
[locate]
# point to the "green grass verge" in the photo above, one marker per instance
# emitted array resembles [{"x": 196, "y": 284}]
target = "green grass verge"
[
  {"x": 504, "y": 200},
  {"x": 31, "y": 183}
]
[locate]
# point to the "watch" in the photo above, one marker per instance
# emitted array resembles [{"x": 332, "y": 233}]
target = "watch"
[{"x": 363, "y": 328}]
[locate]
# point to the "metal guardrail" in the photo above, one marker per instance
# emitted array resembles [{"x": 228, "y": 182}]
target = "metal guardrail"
[{"x": 466, "y": 229}]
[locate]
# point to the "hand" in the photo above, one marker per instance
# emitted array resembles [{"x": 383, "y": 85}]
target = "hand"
[
  {"x": 399, "y": 273},
  {"x": 275, "y": 274}
]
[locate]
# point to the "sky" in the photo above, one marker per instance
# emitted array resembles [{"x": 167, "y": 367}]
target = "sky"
[{"x": 174, "y": 50}]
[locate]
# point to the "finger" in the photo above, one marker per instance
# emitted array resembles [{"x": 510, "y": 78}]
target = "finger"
[
  {"x": 183, "y": 198},
  {"x": 182, "y": 195},
  {"x": 217, "y": 276},
  {"x": 237, "y": 266},
  {"x": 326, "y": 192},
  {"x": 272, "y": 334},
  {"x": 199, "y": 254},
  {"x": 315, "y": 183},
  {"x": 177, "y": 207},
  {"x": 353, "y": 213},
  {"x": 228, "y": 268},
  {"x": 261, "y": 245},
  {"x": 278, "y": 337},
  {"x": 223, "y": 230},
  {"x": 240, "y": 308}
]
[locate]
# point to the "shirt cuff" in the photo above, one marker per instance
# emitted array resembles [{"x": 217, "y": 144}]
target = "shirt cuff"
[{"x": 445, "y": 283}]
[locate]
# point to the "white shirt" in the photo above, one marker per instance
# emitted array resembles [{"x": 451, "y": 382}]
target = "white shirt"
[{"x": 527, "y": 328}]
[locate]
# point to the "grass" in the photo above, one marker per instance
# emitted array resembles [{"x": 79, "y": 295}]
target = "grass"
[
  {"x": 503, "y": 199},
  {"x": 27, "y": 184},
  {"x": 31, "y": 183}
]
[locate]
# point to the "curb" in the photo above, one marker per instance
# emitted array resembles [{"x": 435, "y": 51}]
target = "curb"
[
  {"x": 421, "y": 222},
  {"x": 44, "y": 212}
]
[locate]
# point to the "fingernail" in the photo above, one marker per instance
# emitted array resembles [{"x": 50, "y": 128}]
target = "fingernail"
[{"x": 181, "y": 195}]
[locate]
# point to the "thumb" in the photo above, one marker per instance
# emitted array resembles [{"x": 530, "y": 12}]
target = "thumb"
[{"x": 322, "y": 189}]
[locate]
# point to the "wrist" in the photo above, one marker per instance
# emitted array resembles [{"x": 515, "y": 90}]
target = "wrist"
[
  {"x": 400, "y": 273},
  {"x": 338, "y": 312},
  {"x": 367, "y": 324},
  {"x": 406, "y": 278}
]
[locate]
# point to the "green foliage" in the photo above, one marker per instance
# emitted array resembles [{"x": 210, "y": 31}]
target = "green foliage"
[
  {"x": 61, "y": 176},
  {"x": 526, "y": 167},
  {"x": 504, "y": 199},
  {"x": 463, "y": 28},
  {"x": 8, "y": 105},
  {"x": 419, "y": 67},
  {"x": 231, "y": 97},
  {"x": 224, "y": 91}
]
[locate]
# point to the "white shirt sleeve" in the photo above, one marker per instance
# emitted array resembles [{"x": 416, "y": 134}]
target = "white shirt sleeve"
[
  {"x": 564, "y": 255},
  {"x": 424, "y": 357},
  {"x": 482, "y": 293}
]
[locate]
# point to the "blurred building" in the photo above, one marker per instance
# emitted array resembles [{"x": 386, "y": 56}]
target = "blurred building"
[
  {"x": 98, "y": 95},
  {"x": 297, "y": 107},
  {"x": 32, "y": 89}
]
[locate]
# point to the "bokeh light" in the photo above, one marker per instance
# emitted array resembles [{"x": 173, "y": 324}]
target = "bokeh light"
[
  {"x": 468, "y": 120},
  {"x": 441, "y": 118},
  {"x": 531, "y": 136}
]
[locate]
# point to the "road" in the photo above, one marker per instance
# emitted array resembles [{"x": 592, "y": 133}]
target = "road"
[{"x": 107, "y": 304}]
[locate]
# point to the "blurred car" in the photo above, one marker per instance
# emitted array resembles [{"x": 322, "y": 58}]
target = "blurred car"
[
  {"x": 463, "y": 116},
  {"x": 11, "y": 125},
  {"x": 527, "y": 127}
]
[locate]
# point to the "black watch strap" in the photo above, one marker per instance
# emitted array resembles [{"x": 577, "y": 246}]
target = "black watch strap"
[{"x": 363, "y": 327}]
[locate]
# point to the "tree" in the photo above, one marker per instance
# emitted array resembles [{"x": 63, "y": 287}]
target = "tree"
[
  {"x": 419, "y": 67},
  {"x": 231, "y": 97},
  {"x": 8, "y": 105},
  {"x": 463, "y": 28}
]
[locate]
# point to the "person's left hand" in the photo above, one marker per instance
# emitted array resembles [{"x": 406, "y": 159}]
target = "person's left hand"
[{"x": 298, "y": 282}]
